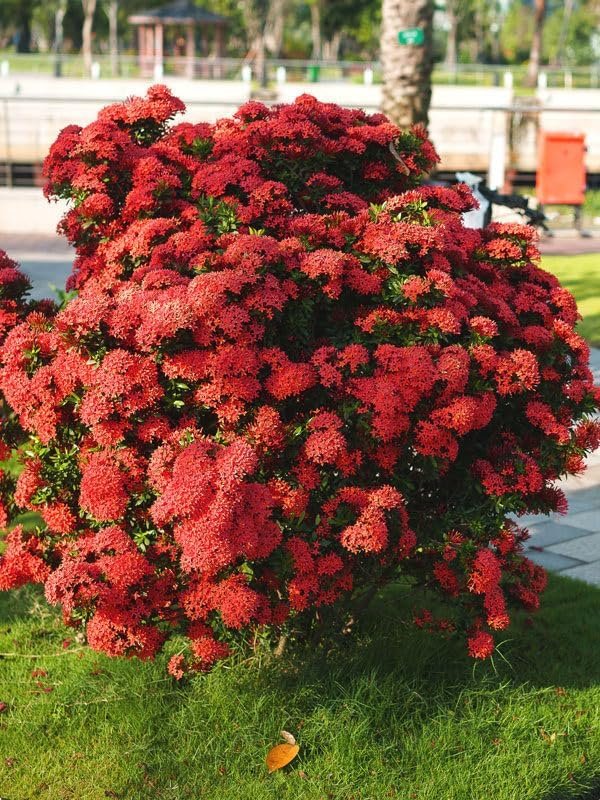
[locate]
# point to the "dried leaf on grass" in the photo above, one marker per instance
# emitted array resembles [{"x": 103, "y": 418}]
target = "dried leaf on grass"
[{"x": 281, "y": 755}]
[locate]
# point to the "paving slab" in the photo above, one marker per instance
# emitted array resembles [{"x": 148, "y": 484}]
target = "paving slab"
[
  {"x": 584, "y": 548},
  {"x": 555, "y": 562},
  {"x": 587, "y": 520},
  {"x": 552, "y": 533},
  {"x": 531, "y": 520},
  {"x": 590, "y": 573},
  {"x": 583, "y": 500}
]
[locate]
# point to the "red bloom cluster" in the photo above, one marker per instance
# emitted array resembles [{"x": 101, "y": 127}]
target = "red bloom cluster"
[{"x": 289, "y": 374}]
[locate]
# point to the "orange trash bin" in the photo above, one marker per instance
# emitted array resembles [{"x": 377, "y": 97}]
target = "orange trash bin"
[{"x": 560, "y": 178}]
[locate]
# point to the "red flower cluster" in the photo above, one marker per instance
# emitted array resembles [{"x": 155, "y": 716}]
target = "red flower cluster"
[{"x": 289, "y": 374}]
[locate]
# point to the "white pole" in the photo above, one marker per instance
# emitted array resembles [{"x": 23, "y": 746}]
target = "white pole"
[{"x": 497, "y": 163}]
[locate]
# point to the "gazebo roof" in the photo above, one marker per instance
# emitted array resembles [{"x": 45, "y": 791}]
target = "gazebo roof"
[{"x": 179, "y": 12}]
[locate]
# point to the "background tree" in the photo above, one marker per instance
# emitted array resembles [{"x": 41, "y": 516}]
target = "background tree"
[
  {"x": 353, "y": 27},
  {"x": 112, "y": 12},
  {"x": 15, "y": 21},
  {"x": 275, "y": 27},
  {"x": 406, "y": 68},
  {"x": 89, "y": 9},
  {"x": 570, "y": 34},
  {"x": 59, "y": 29},
  {"x": 316, "y": 28},
  {"x": 453, "y": 8},
  {"x": 535, "y": 53}
]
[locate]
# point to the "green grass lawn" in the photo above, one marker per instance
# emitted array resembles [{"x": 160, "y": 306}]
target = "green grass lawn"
[
  {"x": 581, "y": 275},
  {"x": 400, "y": 715}
]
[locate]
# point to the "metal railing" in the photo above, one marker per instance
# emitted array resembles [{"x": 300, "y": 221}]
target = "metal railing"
[
  {"x": 462, "y": 134},
  {"x": 130, "y": 66}
]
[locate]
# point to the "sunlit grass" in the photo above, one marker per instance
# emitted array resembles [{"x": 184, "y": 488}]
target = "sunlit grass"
[
  {"x": 581, "y": 275},
  {"x": 398, "y": 714}
]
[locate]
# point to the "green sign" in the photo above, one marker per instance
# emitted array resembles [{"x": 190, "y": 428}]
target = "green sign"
[{"x": 411, "y": 36}]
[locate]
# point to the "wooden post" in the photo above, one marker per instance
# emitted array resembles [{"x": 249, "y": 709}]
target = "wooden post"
[
  {"x": 190, "y": 50},
  {"x": 146, "y": 45}
]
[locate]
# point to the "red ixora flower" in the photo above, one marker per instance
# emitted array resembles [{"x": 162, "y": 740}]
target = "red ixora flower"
[{"x": 289, "y": 374}]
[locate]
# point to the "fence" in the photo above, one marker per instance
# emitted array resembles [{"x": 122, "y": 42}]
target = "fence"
[
  {"x": 128, "y": 66},
  {"x": 466, "y": 124}
]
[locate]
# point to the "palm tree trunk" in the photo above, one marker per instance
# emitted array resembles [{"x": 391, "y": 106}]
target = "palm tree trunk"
[
  {"x": 89, "y": 7},
  {"x": 406, "y": 67},
  {"x": 535, "y": 53}
]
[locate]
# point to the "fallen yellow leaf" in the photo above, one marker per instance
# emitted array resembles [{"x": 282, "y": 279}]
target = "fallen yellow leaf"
[{"x": 280, "y": 755}]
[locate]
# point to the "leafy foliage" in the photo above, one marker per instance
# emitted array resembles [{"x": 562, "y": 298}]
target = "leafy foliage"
[{"x": 289, "y": 376}]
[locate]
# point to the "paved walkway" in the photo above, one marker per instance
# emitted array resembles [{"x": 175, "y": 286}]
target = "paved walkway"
[{"x": 569, "y": 544}]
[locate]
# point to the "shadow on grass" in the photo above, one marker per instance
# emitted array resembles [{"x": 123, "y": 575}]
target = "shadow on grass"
[
  {"x": 389, "y": 686},
  {"x": 558, "y": 645},
  {"x": 17, "y": 604},
  {"x": 593, "y": 793}
]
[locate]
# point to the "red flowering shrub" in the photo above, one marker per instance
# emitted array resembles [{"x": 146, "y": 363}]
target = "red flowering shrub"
[
  {"x": 289, "y": 375},
  {"x": 14, "y": 307}
]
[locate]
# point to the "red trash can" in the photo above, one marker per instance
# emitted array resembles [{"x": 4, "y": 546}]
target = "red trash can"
[{"x": 560, "y": 178}]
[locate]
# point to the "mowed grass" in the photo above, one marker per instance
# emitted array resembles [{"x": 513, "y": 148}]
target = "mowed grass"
[
  {"x": 398, "y": 714},
  {"x": 395, "y": 713},
  {"x": 581, "y": 275}
]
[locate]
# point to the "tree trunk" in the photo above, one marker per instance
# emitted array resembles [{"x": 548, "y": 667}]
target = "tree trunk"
[
  {"x": 535, "y": 53},
  {"x": 260, "y": 59},
  {"x": 406, "y": 67},
  {"x": 59, "y": 17},
  {"x": 331, "y": 47},
  {"x": 315, "y": 29},
  {"x": 274, "y": 27},
  {"x": 24, "y": 13},
  {"x": 564, "y": 30},
  {"x": 452, "y": 41},
  {"x": 480, "y": 24},
  {"x": 113, "y": 36},
  {"x": 89, "y": 8},
  {"x": 256, "y": 13}
]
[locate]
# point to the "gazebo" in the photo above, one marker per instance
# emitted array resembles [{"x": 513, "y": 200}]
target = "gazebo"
[{"x": 186, "y": 16}]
